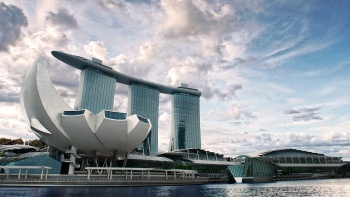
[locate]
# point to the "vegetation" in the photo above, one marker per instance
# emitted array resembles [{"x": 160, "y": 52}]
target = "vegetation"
[
  {"x": 36, "y": 143},
  {"x": 210, "y": 168},
  {"x": 201, "y": 168},
  {"x": 181, "y": 166},
  {"x": 288, "y": 171},
  {"x": 9, "y": 141}
]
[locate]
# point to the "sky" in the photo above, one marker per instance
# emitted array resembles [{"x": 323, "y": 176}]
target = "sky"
[{"x": 273, "y": 74}]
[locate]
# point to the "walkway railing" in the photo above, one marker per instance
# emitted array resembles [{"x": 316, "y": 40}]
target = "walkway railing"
[
  {"x": 26, "y": 168},
  {"x": 129, "y": 173}
]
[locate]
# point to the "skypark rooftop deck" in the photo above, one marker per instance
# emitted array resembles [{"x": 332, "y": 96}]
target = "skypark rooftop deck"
[{"x": 83, "y": 63}]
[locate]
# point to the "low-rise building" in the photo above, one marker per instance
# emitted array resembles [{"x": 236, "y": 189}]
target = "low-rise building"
[{"x": 262, "y": 167}]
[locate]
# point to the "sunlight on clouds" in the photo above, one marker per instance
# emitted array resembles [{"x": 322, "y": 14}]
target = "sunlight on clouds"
[
  {"x": 165, "y": 119},
  {"x": 96, "y": 49},
  {"x": 223, "y": 48},
  {"x": 148, "y": 51}
]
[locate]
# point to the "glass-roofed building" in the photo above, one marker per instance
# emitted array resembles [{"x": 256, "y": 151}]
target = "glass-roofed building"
[
  {"x": 299, "y": 156},
  {"x": 299, "y": 161},
  {"x": 252, "y": 169},
  {"x": 262, "y": 167}
]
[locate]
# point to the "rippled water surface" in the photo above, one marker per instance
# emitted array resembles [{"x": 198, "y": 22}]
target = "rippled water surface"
[{"x": 330, "y": 187}]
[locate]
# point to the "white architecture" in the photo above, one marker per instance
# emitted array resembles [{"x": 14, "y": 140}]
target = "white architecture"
[{"x": 57, "y": 124}]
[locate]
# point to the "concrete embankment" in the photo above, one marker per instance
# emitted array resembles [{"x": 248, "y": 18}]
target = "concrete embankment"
[
  {"x": 296, "y": 178},
  {"x": 99, "y": 180}
]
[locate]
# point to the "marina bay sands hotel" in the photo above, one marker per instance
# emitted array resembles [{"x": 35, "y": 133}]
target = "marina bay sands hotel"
[{"x": 96, "y": 93}]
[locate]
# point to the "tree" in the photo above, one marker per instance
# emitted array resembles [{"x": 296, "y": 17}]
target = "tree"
[
  {"x": 37, "y": 143},
  {"x": 4, "y": 140},
  {"x": 17, "y": 141},
  {"x": 9, "y": 141},
  {"x": 288, "y": 171}
]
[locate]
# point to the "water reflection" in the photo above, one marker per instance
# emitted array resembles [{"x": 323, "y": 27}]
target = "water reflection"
[{"x": 330, "y": 187}]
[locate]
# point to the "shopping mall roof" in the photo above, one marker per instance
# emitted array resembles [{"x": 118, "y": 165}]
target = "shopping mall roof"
[
  {"x": 211, "y": 162},
  {"x": 290, "y": 152},
  {"x": 191, "y": 151},
  {"x": 148, "y": 158}
]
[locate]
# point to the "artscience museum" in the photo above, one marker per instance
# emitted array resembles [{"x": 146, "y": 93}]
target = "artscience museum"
[{"x": 77, "y": 131}]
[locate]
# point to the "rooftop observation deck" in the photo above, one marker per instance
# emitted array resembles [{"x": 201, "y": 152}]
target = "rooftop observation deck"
[{"x": 83, "y": 63}]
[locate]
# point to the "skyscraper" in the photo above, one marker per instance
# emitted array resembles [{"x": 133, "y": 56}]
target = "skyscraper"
[
  {"x": 97, "y": 87},
  {"x": 96, "y": 91},
  {"x": 185, "y": 130},
  {"x": 144, "y": 101}
]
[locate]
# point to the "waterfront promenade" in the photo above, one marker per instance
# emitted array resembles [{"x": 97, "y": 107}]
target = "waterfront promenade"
[{"x": 103, "y": 179}]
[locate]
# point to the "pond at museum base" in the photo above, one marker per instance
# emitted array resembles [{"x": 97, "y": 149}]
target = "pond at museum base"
[{"x": 326, "y": 187}]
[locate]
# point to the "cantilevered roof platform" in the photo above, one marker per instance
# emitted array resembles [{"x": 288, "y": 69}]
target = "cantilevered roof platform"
[{"x": 83, "y": 63}]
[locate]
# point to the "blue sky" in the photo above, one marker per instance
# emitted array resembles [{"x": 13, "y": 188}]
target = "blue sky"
[{"x": 273, "y": 74}]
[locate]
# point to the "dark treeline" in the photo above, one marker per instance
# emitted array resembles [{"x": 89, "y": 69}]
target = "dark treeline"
[{"x": 36, "y": 143}]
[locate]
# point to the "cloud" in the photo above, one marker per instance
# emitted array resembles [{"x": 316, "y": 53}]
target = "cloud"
[
  {"x": 260, "y": 130},
  {"x": 264, "y": 138},
  {"x": 12, "y": 20},
  {"x": 188, "y": 18},
  {"x": 306, "y": 117},
  {"x": 277, "y": 60},
  {"x": 96, "y": 49},
  {"x": 218, "y": 47},
  {"x": 62, "y": 18},
  {"x": 229, "y": 91},
  {"x": 120, "y": 103},
  {"x": 336, "y": 137},
  {"x": 304, "y": 114},
  {"x": 8, "y": 94},
  {"x": 197, "y": 23},
  {"x": 252, "y": 142},
  {"x": 16, "y": 60},
  {"x": 112, "y": 4},
  {"x": 291, "y": 111},
  {"x": 164, "y": 119},
  {"x": 180, "y": 51},
  {"x": 233, "y": 112}
]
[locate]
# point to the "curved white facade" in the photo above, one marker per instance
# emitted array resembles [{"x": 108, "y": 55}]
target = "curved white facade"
[{"x": 58, "y": 125}]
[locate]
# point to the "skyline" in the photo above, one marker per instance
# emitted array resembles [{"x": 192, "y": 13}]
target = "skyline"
[{"x": 272, "y": 74}]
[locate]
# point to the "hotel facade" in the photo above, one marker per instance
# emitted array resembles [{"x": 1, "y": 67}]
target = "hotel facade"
[{"x": 96, "y": 94}]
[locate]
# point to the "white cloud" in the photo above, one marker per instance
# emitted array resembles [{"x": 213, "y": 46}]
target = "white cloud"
[
  {"x": 217, "y": 47},
  {"x": 12, "y": 21},
  {"x": 164, "y": 119},
  {"x": 96, "y": 49},
  {"x": 304, "y": 114},
  {"x": 233, "y": 112}
]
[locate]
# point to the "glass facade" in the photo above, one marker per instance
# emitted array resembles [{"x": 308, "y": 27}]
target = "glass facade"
[
  {"x": 96, "y": 91},
  {"x": 251, "y": 167},
  {"x": 144, "y": 101},
  {"x": 115, "y": 115},
  {"x": 186, "y": 122},
  {"x": 300, "y": 157},
  {"x": 74, "y": 113},
  {"x": 309, "y": 160},
  {"x": 42, "y": 160}
]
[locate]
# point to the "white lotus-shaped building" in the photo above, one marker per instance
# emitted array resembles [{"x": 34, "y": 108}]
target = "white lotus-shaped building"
[{"x": 57, "y": 124}]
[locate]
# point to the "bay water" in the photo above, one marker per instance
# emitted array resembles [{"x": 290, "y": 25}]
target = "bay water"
[{"x": 325, "y": 187}]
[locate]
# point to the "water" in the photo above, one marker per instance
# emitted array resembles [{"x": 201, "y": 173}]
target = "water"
[{"x": 329, "y": 187}]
